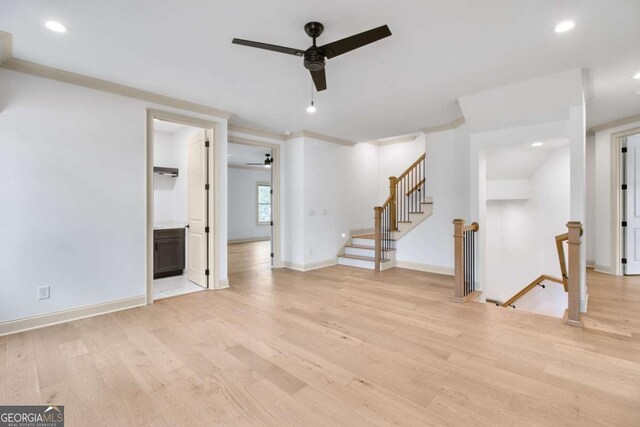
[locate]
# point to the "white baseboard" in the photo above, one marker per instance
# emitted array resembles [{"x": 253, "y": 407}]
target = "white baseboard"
[
  {"x": 602, "y": 269},
  {"x": 248, "y": 240},
  {"x": 311, "y": 266},
  {"x": 222, "y": 284},
  {"x": 425, "y": 267},
  {"x": 34, "y": 322}
]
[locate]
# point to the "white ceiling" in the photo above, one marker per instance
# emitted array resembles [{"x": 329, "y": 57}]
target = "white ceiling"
[
  {"x": 439, "y": 51},
  {"x": 240, "y": 154},
  {"x": 519, "y": 161}
]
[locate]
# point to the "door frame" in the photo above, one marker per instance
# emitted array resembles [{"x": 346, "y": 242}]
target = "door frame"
[
  {"x": 212, "y": 128},
  {"x": 617, "y": 199},
  {"x": 276, "y": 197}
]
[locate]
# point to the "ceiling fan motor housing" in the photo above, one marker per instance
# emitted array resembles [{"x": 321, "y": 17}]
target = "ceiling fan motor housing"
[{"x": 314, "y": 59}]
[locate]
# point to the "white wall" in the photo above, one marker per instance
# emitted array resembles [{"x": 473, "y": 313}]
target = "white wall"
[
  {"x": 520, "y": 243},
  {"x": 590, "y": 185},
  {"x": 170, "y": 194},
  {"x": 339, "y": 196},
  {"x": 430, "y": 244},
  {"x": 243, "y": 208},
  {"x": 73, "y": 209}
]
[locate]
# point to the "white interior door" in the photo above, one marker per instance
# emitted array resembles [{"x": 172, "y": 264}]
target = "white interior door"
[
  {"x": 632, "y": 206},
  {"x": 197, "y": 210}
]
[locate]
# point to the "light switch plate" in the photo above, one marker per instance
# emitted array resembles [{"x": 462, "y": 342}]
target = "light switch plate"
[{"x": 44, "y": 292}]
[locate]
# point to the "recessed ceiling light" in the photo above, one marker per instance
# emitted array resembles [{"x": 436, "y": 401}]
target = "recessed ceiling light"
[
  {"x": 637, "y": 76},
  {"x": 56, "y": 26},
  {"x": 565, "y": 26},
  {"x": 537, "y": 144}
]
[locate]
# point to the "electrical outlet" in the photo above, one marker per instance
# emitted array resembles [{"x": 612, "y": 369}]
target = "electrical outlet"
[{"x": 44, "y": 292}]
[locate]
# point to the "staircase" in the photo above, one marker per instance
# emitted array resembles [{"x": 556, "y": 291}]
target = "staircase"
[{"x": 405, "y": 208}]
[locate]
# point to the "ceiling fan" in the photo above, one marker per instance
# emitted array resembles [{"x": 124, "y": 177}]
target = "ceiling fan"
[
  {"x": 314, "y": 56},
  {"x": 267, "y": 162}
]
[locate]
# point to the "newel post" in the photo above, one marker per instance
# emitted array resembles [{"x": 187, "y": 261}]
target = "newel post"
[
  {"x": 572, "y": 315},
  {"x": 393, "y": 223},
  {"x": 378, "y": 236},
  {"x": 458, "y": 239}
]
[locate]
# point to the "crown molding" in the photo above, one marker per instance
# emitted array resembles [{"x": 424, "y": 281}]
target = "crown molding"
[
  {"x": 6, "y": 46},
  {"x": 26, "y": 67},
  {"x": 319, "y": 137},
  {"x": 394, "y": 140},
  {"x": 257, "y": 132},
  {"x": 615, "y": 123},
  {"x": 449, "y": 126}
]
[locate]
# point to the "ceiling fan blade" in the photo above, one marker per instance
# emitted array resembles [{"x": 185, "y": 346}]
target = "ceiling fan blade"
[
  {"x": 319, "y": 79},
  {"x": 273, "y": 47},
  {"x": 348, "y": 44}
]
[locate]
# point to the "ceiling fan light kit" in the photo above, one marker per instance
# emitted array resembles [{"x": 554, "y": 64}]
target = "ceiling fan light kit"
[{"x": 315, "y": 56}]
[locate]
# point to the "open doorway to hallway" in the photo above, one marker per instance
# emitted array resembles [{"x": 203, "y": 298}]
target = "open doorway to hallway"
[
  {"x": 250, "y": 214},
  {"x": 180, "y": 212}
]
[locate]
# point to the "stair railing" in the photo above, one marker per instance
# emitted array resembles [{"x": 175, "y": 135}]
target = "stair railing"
[
  {"x": 570, "y": 276},
  {"x": 465, "y": 261},
  {"x": 406, "y": 196}
]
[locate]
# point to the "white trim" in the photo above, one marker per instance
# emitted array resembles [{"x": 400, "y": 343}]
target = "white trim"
[
  {"x": 615, "y": 123},
  {"x": 311, "y": 266},
  {"x": 222, "y": 284},
  {"x": 616, "y": 199},
  {"x": 246, "y": 167},
  {"x": 211, "y": 128},
  {"x": 448, "y": 126},
  {"x": 42, "y": 320},
  {"x": 257, "y": 132},
  {"x": 6, "y": 46},
  {"x": 320, "y": 137},
  {"x": 437, "y": 269},
  {"x": 110, "y": 87},
  {"x": 602, "y": 269},
  {"x": 248, "y": 240}
]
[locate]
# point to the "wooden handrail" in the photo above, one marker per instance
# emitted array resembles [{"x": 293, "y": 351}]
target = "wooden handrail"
[
  {"x": 413, "y": 165},
  {"x": 415, "y": 188},
  {"x": 471, "y": 227},
  {"x": 560, "y": 239},
  {"x": 461, "y": 263},
  {"x": 530, "y": 286},
  {"x": 570, "y": 276}
]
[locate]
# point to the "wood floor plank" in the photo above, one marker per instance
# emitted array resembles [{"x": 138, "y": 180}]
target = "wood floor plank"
[{"x": 336, "y": 346}]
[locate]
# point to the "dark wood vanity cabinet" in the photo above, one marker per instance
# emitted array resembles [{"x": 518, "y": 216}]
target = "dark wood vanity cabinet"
[{"x": 168, "y": 252}]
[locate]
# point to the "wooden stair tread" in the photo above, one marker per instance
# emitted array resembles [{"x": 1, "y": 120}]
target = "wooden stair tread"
[
  {"x": 369, "y": 236},
  {"x": 366, "y": 247},
  {"x": 361, "y": 258}
]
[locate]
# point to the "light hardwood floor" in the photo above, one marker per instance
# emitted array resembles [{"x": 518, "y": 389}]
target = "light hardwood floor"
[
  {"x": 249, "y": 256},
  {"x": 337, "y": 346}
]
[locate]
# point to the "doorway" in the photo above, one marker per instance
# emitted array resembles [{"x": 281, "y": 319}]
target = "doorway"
[
  {"x": 181, "y": 213},
  {"x": 252, "y": 208},
  {"x": 630, "y": 205}
]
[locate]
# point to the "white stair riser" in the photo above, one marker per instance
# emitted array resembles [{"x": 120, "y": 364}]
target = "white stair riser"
[
  {"x": 369, "y": 265},
  {"x": 360, "y": 251},
  {"x": 364, "y": 242}
]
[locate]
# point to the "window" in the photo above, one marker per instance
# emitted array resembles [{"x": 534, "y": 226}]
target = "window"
[{"x": 264, "y": 204}]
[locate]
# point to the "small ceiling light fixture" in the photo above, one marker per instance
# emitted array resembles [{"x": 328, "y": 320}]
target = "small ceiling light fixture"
[
  {"x": 56, "y": 27},
  {"x": 565, "y": 26},
  {"x": 311, "y": 108},
  {"x": 537, "y": 144},
  {"x": 637, "y": 76}
]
